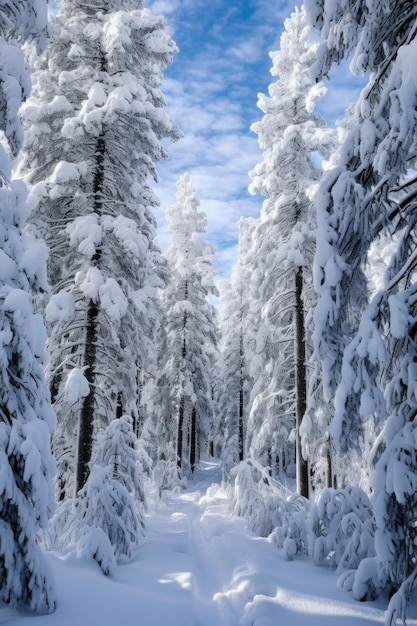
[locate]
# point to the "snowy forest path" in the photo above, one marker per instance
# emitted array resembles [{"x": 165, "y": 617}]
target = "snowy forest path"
[
  {"x": 199, "y": 566},
  {"x": 209, "y": 555},
  {"x": 215, "y": 572},
  {"x": 221, "y": 574}
]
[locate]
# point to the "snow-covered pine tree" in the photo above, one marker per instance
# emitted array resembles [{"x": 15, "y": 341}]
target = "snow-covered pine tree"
[
  {"x": 327, "y": 467},
  {"x": 370, "y": 194},
  {"x": 105, "y": 521},
  {"x": 191, "y": 327},
  {"x": 116, "y": 448},
  {"x": 289, "y": 133},
  {"x": 95, "y": 124},
  {"x": 237, "y": 336},
  {"x": 26, "y": 416}
]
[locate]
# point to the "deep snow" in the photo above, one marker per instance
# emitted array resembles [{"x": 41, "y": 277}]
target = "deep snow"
[{"x": 198, "y": 566}]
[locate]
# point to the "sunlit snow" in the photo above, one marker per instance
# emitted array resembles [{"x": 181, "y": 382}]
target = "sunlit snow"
[{"x": 199, "y": 566}]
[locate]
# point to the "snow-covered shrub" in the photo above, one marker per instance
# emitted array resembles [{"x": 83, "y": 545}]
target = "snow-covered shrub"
[
  {"x": 93, "y": 543},
  {"x": 290, "y": 521},
  {"x": 341, "y": 528},
  {"x": 251, "y": 492},
  {"x": 400, "y": 601},
  {"x": 338, "y": 530},
  {"x": 164, "y": 479},
  {"x": 104, "y": 504},
  {"x": 105, "y": 521},
  {"x": 117, "y": 448},
  {"x": 363, "y": 582},
  {"x": 268, "y": 507}
]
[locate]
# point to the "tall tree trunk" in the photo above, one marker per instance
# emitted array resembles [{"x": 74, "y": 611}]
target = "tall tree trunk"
[
  {"x": 193, "y": 443},
  {"x": 329, "y": 468},
  {"x": 329, "y": 476},
  {"x": 55, "y": 385},
  {"x": 119, "y": 405},
  {"x": 180, "y": 430},
  {"x": 300, "y": 383},
  {"x": 137, "y": 417},
  {"x": 86, "y": 420},
  {"x": 181, "y": 410},
  {"x": 241, "y": 400},
  {"x": 241, "y": 455},
  {"x": 86, "y": 416}
]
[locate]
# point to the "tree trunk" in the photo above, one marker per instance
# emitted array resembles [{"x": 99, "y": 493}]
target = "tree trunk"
[
  {"x": 193, "y": 443},
  {"x": 137, "y": 416},
  {"x": 55, "y": 385},
  {"x": 86, "y": 417},
  {"x": 119, "y": 406},
  {"x": 300, "y": 383},
  {"x": 86, "y": 420},
  {"x": 241, "y": 451},
  {"x": 329, "y": 468},
  {"x": 181, "y": 410},
  {"x": 180, "y": 431},
  {"x": 241, "y": 402}
]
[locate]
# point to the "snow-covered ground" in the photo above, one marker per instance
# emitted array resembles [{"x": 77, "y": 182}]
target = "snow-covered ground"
[{"x": 198, "y": 566}]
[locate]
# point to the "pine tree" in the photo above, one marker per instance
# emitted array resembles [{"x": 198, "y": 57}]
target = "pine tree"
[
  {"x": 289, "y": 133},
  {"x": 105, "y": 521},
  {"x": 328, "y": 467},
  {"x": 95, "y": 124},
  {"x": 371, "y": 194},
  {"x": 26, "y": 417},
  {"x": 237, "y": 336},
  {"x": 191, "y": 327}
]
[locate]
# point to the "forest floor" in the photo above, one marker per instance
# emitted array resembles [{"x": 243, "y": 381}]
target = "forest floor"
[{"x": 198, "y": 566}]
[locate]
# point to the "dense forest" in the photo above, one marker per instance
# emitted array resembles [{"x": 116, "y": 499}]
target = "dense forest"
[{"x": 118, "y": 374}]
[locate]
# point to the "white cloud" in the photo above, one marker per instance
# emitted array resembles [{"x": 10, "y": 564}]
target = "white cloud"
[
  {"x": 248, "y": 50},
  {"x": 211, "y": 92},
  {"x": 210, "y": 96},
  {"x": 164, "y": 7}
]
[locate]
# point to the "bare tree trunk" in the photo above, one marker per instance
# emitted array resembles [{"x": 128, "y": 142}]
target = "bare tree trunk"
[
  {"x": 180, "y": 431},
  {"x": 300, "y": 384},
  {"x": 119, "y": 406},
  {"x": 241, "y": 402},
  {"x": 329, "y": 477},
  {"x": 137, "y": 417},
  {"x": 193, "y": 442},
  {"x": 181, "y": 410},
  {"x": 241, "y": 442}
]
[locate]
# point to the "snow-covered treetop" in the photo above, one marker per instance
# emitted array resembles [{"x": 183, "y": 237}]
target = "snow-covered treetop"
[
  {"x": 289, "y": 134},
  {"x": 296, "y": 51},
  {"x": 188, "y": 252},
  {"x": 130, "y": 31},
  {"x": 290, "y": 120},
  {"x": 183, "y": 216}
]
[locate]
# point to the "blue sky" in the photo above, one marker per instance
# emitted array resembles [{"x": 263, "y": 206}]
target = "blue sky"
[{"x": 211, "y": 91}]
